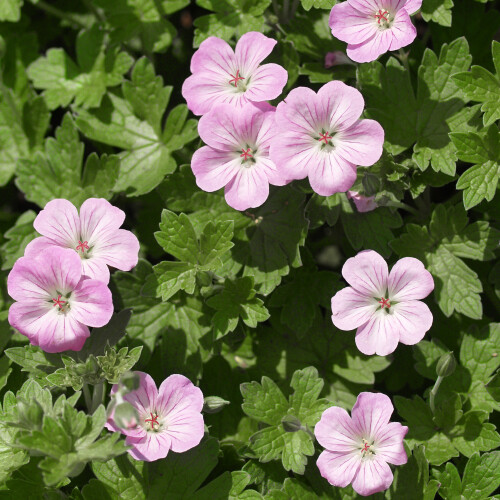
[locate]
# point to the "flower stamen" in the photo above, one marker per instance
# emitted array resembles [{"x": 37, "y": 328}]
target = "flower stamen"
[
  {"x": 59, "y": 302},
  {"x": 381, "y": 15},
  {"x": 236, "y": 78},
  {"x": 365, "y": 447},
  {"x": 325, "y": 136},
  {"x": 384, "y": 302},
  {"x": 155, "y": 425},
  {"x": 246, "y": 154},
  {"x": 82, "y": 246}
]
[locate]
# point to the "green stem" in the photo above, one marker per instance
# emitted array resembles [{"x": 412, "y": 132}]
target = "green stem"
[
  {"x": 295, "y": 5},
  {"x": 88, "y": 397},
  {"x": 54, "y": 11},
  {"x": 98, "y": 396},
  {"x": 404, "y": 206},
  {"x": 286, "y": 6},
  {"x": 403, "y": 57},
  {"x": 434, "y": 392}
]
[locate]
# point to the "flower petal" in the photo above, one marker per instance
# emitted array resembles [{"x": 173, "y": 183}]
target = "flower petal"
[
  {"x": 248, "y": 189},
  {"x": 362, "y": 143},
  {"x": 402, "y": 30},
  {"x": 119, "y": 249},
  {"x": 180, "y": 403},
  {"x": 46, "y": 328},
  {"x": 411, "y": 6},
  {"x": 371, "y": 413},
  {"x": 145, "y": 397},
  {"x": 266, "y": 83},
  {"x": 301, "y": 113},
  {"x": 409, "y": 280},
  {"x": 214, "y": 169},
  {"x": 343, "y": 105},
  {"x": 293, "y": 154},
  {"x": 99, "y": 220},
  {"x": 329, "y": 173},
  {"x": 252, "y": 48},
  {"x": 153, "y": 446},
  {"x": 379, "y": 336},
  {"x": 389, "y": 445},
  {"x": 219, "y": 128},
  {"x": 350, "y": 25},
  {"x": 59, "y": 221},
  {"x": 335, "y": 431},
  {"x": 34, "y": 247},
  {"x": 371, "y": 48},
  {"x": 214, "y": 56},
  {"x": 92, "y": 303},
  {"x": 338, "y": 469},
  {"x": 351, "y": 309},
  {"x": 367, "y": 273},
  {"x": 38, "y": 278},
  {"x": 95, "y": 268},
  {"x": 373, "y": 476},
  {"x": 413, "y": 319}
]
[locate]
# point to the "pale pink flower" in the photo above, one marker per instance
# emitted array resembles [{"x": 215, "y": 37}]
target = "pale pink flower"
[
  {"x": 169, "y": 418},
  {"x": 237, "y": 154},
  {"x": 221, "y": 75},
  {"x": 385, "y": 308},
  {"x": 336, "y": 58},
  {"x": 55, "y": 303},
  {"x": 372, "y": 27},
  {"x": 321, "y": 136},
  {"x": 363, "y": 203},
  {"x": 359, "y": 447},
  {"x": 95, "y": 235}
]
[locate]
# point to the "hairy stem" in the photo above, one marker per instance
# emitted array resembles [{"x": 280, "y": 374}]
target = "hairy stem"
[
  {"x": 87, "y": 396},
  {"x": 97, "y": 397},
  {"x": 54, "y": 11}
]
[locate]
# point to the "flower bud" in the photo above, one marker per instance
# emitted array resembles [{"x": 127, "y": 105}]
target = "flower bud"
[
  {"x": 371, "y": 184},
  {"x": 214, "y": 404},
  {"x": 291, "y": 423},
  {"x": 131, "y": 381},
  {"x": 446, "y": 365},
  {"x": 125, "y": 416}
]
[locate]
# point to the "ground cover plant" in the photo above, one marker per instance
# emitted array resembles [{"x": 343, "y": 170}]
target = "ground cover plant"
[{"x": 249, "y": 249}]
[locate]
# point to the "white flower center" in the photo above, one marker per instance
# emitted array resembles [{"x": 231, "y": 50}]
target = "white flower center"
[{"x": 384, "y": 19}]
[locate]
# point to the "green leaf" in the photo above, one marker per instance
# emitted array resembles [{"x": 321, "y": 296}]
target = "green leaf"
[
  {"x": 18, "y": 236},
  {"x": 231, "y": 17},
  {"x": 426, "y": 119},
  {"x": 481, "y": 475},
  {"x": 301, "y": 297},
  {"x": 438, "y": 11},
  {"x": 441, "y": 247},
  {"x": 480, "y": 85},
  {"x": 265, "y": 402},
  {"x": 57, "y": 172},
  {"x": 10, "y": 10},
  {"x": 84, "y": 82},
  {"x": 144, "y": 19},
  {"x": 317, "y": 4},
  {"x": 132, "y": 124},
  {"x": 278, "y": 229},
  {"x": 479, "y": 181},
  {"x": 237, "y": 300}
]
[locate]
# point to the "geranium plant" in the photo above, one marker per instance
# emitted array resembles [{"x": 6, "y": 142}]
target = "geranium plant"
[{"x": 249, "y": 249}]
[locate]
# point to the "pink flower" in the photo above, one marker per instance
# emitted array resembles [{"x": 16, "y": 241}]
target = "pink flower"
[
  {"x": 385, "y": 308},
  {"x": 358, "y": 448},
  {"x": 94, "y": 235},
  {"x": 372, "y": 27},
  {"x": 221, "y": 75},
  {"x": 363, "y": 203},
  {"x": 237, "y": 155},
  {"x": 55, "y": 303},
  {"x": 169, "y": 419},
  {"x": 321, "y": 136},
  {"x": 336, "y": 58}
]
